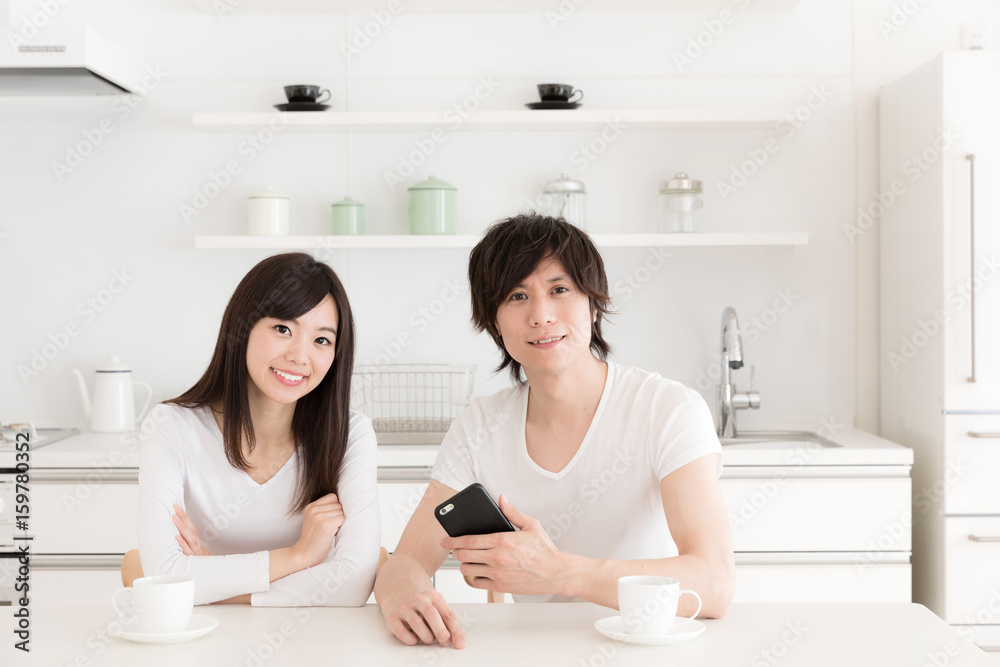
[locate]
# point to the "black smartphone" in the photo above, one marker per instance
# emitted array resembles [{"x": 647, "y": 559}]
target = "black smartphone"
[{"x": 471, "y": 511}]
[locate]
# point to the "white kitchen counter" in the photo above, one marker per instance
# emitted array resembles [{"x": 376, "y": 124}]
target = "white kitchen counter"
[
  {"x": 103, "y": 451},
  {"x": 810, "y": 635}
]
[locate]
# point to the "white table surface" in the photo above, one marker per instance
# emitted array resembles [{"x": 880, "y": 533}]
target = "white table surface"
[{"x": 841, "y": 635}]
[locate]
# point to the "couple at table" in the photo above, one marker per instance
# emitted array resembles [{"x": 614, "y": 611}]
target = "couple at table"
[{"x": 260, "y": 482}]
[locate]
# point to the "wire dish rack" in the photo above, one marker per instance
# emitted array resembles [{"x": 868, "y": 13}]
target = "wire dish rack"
[{"x": 412, "y": 403}]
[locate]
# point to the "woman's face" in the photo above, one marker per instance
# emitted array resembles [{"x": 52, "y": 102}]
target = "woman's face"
[
  {"x": 546, "y": 321},
  {"x": 286, "y": 359}
]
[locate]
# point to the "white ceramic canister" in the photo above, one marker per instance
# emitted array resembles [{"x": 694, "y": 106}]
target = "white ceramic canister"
[{"x": 269, "y": 213}]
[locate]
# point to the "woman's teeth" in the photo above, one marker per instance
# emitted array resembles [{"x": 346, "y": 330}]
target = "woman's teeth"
[{"x": 288, "y": 376}]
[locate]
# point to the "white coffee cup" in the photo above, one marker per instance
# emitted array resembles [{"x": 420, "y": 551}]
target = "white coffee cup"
[
  {"x": 157, "y": 604},
  {"x": 648, "y": 604}
]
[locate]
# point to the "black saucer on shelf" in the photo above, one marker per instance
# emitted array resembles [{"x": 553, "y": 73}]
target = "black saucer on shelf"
[
  {"x": 553, "y": 105},
  {"x": 301, "y": 106}
]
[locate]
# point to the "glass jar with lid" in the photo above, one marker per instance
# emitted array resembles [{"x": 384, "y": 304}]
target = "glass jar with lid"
[
  {"x": 566, "y": 198},
  {"x": 681, "y": 205}
]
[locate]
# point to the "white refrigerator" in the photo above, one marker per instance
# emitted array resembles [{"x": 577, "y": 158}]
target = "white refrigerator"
[{"x": 939, "y": 244}]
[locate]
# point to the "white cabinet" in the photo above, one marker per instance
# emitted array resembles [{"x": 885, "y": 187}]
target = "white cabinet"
[
  {"x": 819, "y": 533},
  {"x": 972, "y": 464},
  {"x": 81, "y": 512},
  {"x": 397, "y": 503},
  {"x": 822, "y": 577},
  {"x": 828, "y": 533},
  {"x": 83, "y": 521},
  {"x": 71, "y": 584},
  {"x": 818, "y": 508},
  {"x": 972, "y": 570},
  {"x": 940, "y": 324}
]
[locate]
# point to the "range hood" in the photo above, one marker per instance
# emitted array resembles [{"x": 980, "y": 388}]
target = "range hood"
[{"x": 66, "y": 62}]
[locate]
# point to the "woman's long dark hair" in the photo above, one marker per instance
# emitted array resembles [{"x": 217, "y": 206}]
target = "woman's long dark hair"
[{"x": 285, "y": 287}]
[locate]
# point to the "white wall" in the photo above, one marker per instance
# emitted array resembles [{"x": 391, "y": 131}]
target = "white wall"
[{"x": 119, "y": 210}]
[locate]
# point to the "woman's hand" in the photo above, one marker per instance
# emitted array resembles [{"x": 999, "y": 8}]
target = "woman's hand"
[
  {"x": 321, "y": 520},
  {"x": 188, "y": 534}
]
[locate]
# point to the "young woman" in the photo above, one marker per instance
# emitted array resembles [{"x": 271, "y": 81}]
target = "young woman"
[
  {"x": 606, "y": 470},
  {"x": 259, "y": 481}
]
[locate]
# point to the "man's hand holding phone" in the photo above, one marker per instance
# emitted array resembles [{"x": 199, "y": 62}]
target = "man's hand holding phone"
[{"x": 524, "y": 561}]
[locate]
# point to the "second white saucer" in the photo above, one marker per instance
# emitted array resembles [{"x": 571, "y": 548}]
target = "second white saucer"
[
  {"x": 199, "y": 626},
  {"x": 614, "y": 628}
]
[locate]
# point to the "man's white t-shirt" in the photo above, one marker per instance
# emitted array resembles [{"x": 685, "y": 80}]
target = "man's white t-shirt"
[
  {"x": 606, "y": 502},
  {"x": 183, "y": 461}
]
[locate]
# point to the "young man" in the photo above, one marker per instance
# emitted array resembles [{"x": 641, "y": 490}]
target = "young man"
[{"x": 606, "y": 471}]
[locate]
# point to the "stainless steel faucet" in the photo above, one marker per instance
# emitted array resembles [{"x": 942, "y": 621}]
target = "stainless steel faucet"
[{"x": 732, "y": 359}]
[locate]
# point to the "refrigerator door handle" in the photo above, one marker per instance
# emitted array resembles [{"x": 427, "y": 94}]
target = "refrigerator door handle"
[
  {"x": 984, "y": 538},
  {"x": 971, "y": 157},
  {"x": 975, "y": 434}
]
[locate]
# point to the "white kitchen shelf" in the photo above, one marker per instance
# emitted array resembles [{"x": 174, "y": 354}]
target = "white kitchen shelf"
[
  {"x": 467, "y": 241},
  {"x": 521, "y": 119},
  {"x": 483, "y": 6}
]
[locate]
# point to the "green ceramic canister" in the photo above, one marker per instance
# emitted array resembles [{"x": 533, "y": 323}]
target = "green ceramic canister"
[
  {"x": 348, "y": 216},
  {"x": 433, "y": 207}
]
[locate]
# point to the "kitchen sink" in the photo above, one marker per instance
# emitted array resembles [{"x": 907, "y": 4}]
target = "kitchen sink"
[{"x": 778, "y": 439}]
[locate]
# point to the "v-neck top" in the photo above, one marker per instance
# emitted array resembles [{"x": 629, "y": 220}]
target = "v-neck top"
[
  {"x": 606, "y": 502},
  {"x": 183, "y": 461},
  {"x": 523, "y": 433}
]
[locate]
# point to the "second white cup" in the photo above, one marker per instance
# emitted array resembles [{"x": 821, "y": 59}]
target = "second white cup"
[
  {"x": 157, "y": 604},
  {"x": 648, "y": 604}
]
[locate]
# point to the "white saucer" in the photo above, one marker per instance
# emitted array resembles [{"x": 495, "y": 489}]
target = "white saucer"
[
  {"x": 199, "y": 626},
  {"x": 614, "y": 628}
]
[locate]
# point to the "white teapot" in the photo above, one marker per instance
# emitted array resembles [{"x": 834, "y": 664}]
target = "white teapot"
[{"x": 113, "y": 407}]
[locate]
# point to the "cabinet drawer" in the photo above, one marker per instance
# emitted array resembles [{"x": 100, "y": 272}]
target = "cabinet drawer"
[
  {"x": 840, "y": 577},
  {"x": 789, "y": 511},
  {"x": 972, "y": 465},
  {"x": 85, "y": 515},
  {"x": 972, "y": 574},
  {"x": 397, "y": 502},
  {"x": 74, "y": 588}
]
